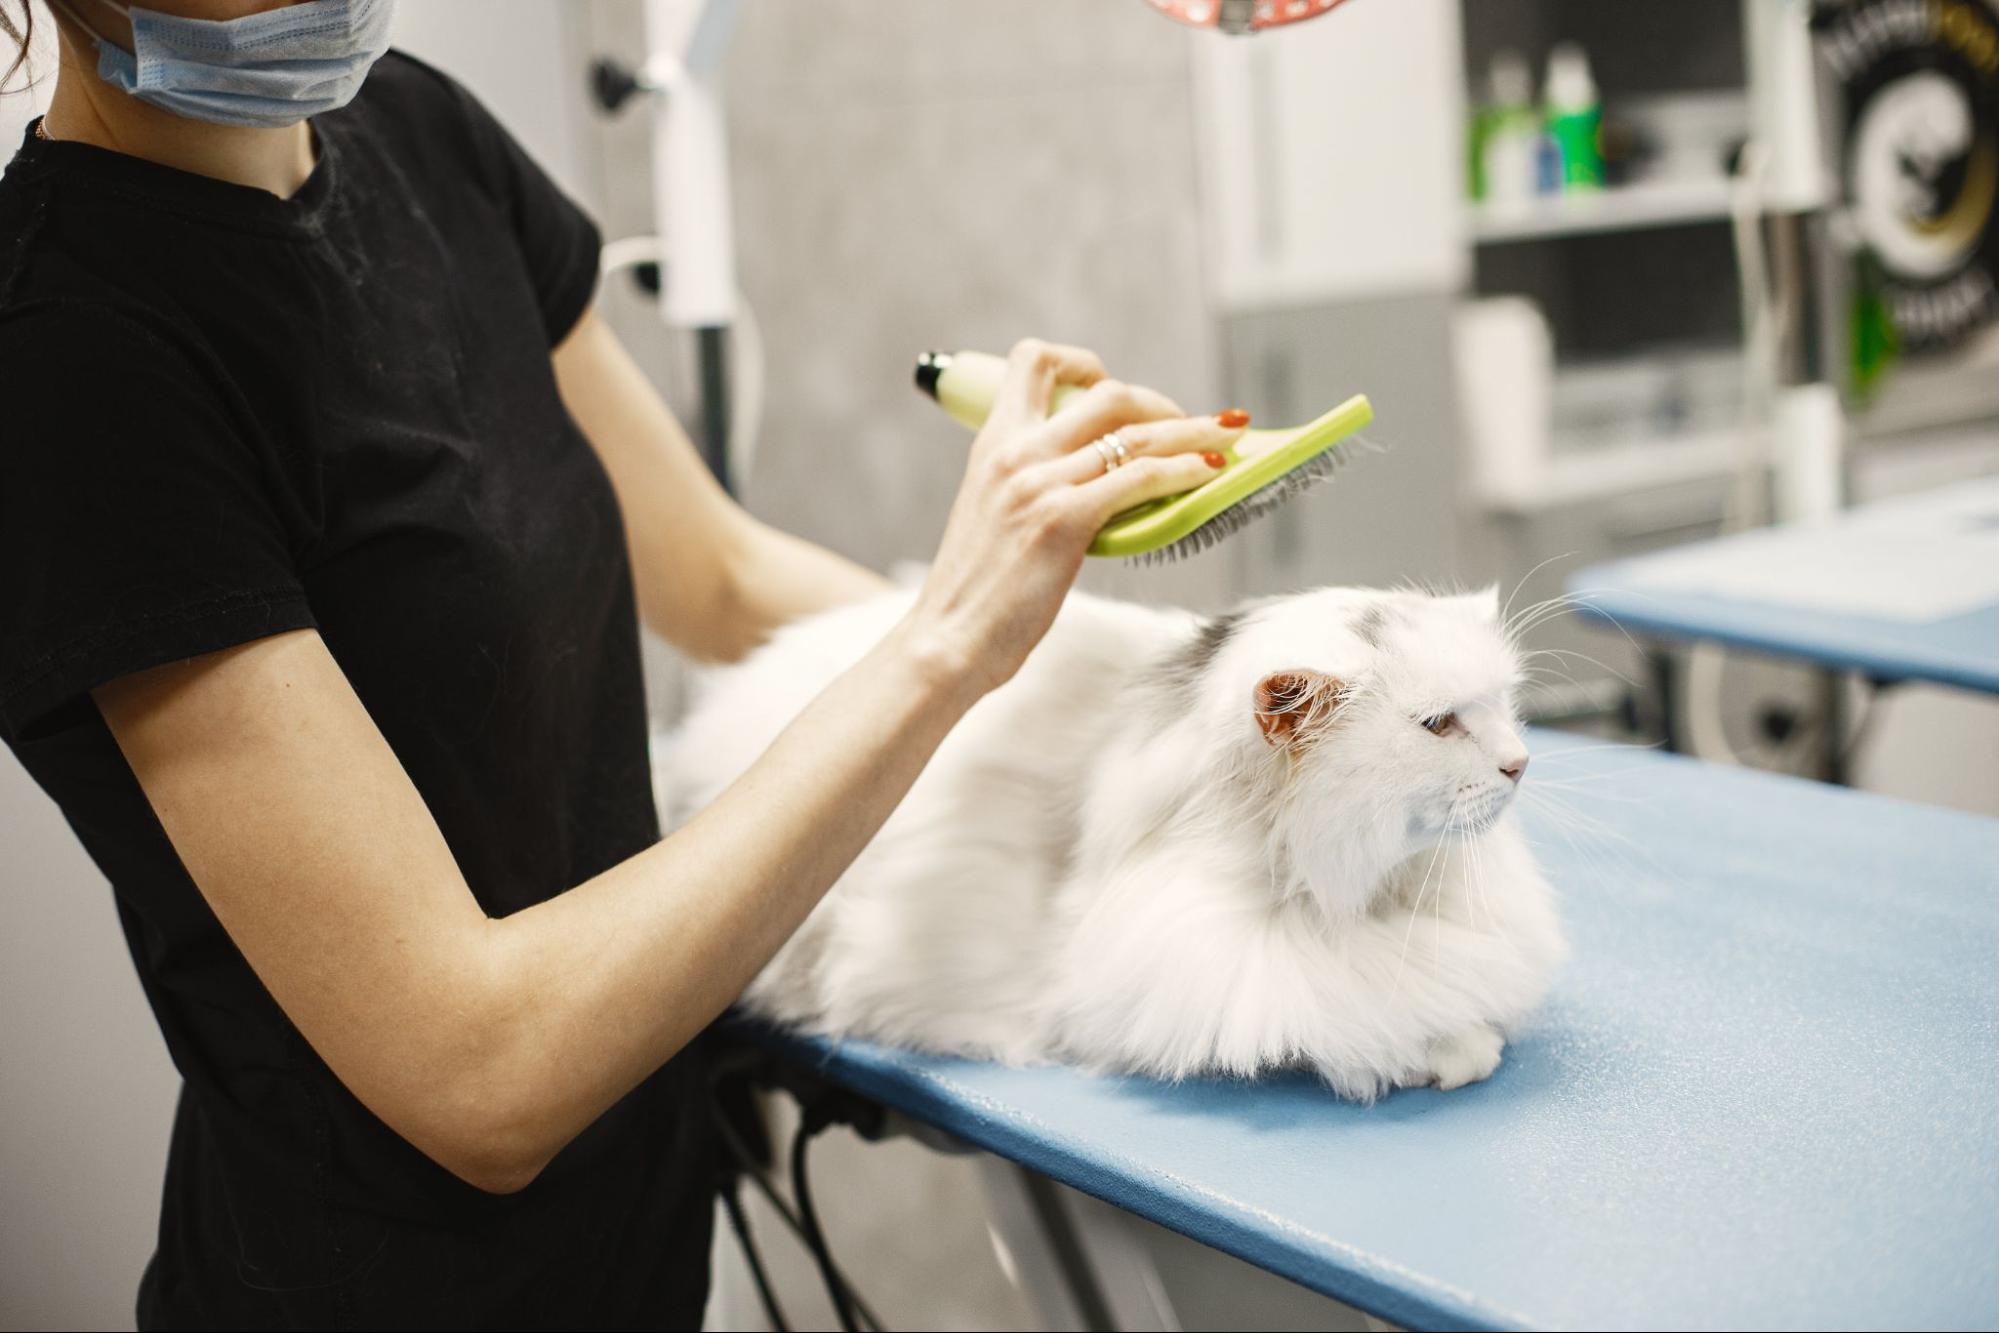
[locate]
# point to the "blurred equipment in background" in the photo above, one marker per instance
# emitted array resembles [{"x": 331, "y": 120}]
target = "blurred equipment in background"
[
  {"x": 1239, "y": 18},
  {"x": 682, "y": 78},
  {"x": 1783, "y": 177},
  {"x": 1505, "y": 354}
]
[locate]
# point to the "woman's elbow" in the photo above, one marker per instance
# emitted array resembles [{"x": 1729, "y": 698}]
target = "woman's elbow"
[
  {"x": 493, "y": 1173},
  {"x": 493, "y": 1158},
  {"x": 486, "y": 1125}
]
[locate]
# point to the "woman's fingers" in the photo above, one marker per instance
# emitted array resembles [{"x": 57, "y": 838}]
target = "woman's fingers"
[
  {"x": 1140, "y": 480},
  {"x": 1178, "y": 435},
  {"x": 1033, "y": 370},
  {"x": 1105, "y": 406}
]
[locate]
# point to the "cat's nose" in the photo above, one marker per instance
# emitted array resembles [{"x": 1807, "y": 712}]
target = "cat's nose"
[{"x": 1513, "y": 768}]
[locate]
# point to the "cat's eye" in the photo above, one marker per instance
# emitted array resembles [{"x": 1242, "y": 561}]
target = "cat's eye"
[{"x": 1439, "y": 724}]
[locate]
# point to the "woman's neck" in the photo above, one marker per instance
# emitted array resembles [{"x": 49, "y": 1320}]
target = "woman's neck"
[{"x": 88, "y": 110}]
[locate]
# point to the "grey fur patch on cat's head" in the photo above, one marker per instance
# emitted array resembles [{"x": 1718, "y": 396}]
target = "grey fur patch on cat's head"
[
  {"x": 1369, "y": 624},
  {"x": 1182, "y": 670}
]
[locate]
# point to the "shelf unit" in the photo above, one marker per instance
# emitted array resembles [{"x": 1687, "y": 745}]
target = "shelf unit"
[
  {"x": 1628, "y": 276},
  {"x": 1582, "y": 476},
  {"x": 1635, "y": 207}
]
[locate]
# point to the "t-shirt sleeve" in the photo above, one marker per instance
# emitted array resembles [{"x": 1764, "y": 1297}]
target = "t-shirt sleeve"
[
  {"x": 558, "y": 242},
  {"x": 138, "y": 525}
]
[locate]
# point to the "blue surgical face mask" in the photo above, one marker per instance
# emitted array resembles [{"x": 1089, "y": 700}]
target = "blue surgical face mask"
[{"x": 274, "y": 68}]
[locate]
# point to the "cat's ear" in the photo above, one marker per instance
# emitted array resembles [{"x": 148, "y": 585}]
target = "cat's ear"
[{"x": 1292, "y": 706}]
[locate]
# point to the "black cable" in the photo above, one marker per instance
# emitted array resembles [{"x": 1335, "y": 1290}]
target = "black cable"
[
  {"x": 810, "y": 1124},
  {"x": 712, "y": 351},
  {"x": 739, "y": 1222},
  {"x": 751, "y": 1168}
]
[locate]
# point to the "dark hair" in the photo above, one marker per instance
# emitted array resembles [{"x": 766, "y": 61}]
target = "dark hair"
[{"x": 20, "y": 32}]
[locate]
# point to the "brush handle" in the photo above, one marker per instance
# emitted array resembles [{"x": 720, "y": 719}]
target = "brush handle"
[{"x": 965, "y": 384}]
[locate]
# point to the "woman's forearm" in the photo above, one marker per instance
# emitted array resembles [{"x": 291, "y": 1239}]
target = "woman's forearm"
[
  {"x": 598, "y": 986},
  {"x": 710, "y": 579},
  {"x": 777, "y": 578}
]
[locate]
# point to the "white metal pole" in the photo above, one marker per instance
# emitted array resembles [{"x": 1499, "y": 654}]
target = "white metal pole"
[
  {"x": 1807, "y": 425},
  {"x": 691, "y": 205}
]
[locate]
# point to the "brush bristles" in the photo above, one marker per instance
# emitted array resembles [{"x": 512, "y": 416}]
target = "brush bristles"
[{"x": 1251, "y": 507}]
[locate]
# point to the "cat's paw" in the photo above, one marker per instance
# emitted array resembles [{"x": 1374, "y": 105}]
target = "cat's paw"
[{"x": 1464, "y": 1057}]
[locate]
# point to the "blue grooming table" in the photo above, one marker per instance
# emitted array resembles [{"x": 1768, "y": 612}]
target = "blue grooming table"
[
  {"x": 1764, "y": 1093},
  {"x": 1653, "y": 595}
]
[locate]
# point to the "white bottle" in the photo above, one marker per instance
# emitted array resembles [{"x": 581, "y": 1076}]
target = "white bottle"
[{"x": 1508, "y": 151}]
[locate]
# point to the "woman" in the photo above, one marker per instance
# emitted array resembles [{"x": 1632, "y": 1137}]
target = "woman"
[{"x": 327, "y": 513}]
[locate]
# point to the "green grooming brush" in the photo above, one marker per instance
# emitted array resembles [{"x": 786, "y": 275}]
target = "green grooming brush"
[{"x": 1265, "y": 467}]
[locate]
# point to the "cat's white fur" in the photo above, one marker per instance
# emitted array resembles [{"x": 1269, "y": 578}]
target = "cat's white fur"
[{"x": 1110, "y": 862}]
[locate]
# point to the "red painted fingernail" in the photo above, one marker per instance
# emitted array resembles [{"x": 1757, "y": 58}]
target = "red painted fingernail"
[
  {"x": 1213, "y": 459},
  {"x": 1233, "y": 418}
]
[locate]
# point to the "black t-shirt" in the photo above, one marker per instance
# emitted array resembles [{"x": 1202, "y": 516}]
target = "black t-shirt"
[{"x": 224, "y": 415}]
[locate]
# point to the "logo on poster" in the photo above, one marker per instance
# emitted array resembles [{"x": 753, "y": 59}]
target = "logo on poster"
[{"x": 1921, "y": 85}]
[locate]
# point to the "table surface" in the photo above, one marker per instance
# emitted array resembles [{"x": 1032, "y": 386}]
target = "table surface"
[
  {"x": 1829, "y": 595},
  {"x": 1763, "y": 1093}
]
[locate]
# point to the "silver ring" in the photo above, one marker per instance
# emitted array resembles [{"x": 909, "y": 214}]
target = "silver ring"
[{"x": 1111, "y": 449}]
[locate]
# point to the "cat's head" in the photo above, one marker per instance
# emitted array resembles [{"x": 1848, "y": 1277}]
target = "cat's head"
[{"x": 1383, "y": 721}]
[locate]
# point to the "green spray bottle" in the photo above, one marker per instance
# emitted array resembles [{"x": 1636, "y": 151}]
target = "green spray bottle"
[{"x": 1574, "y": 117}]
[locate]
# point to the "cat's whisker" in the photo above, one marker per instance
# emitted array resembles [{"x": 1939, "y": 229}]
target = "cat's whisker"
[
  {"x": 1533, "y": 615},
  {"x": 1416, "y": 908},
  {"x": 1588, "y": 784},
  {"x": 1474, "y": 880},
  {"x": 1572, "y": 823},
  {"x": 1507, "y": 610},
  {"x": 1563, "y": 801},
  {"x": 1566, "y": 653},
  {"x": 1561, "y": 827},
  {"x": 1582, "y": 597},
  {"x": 1491, "y": 918},
  {"x": 1543, "y": 756}
]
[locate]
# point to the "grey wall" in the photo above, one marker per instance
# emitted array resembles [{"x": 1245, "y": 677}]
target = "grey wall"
[{"x": 86, "y": 1091}]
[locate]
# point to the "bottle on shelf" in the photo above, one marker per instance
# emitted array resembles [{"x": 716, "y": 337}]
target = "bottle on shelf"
[
  {"x": 1574, "y": 119},
  {"x": 1504, "y": 134}
]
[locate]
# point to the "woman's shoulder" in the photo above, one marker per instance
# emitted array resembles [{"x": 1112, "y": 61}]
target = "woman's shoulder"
[
  {"x": 406, "y": 84},
  {"x": 69, "y": 351},
  {"x": 63, "y": 316},
  {"x": 412, "y": 102}
]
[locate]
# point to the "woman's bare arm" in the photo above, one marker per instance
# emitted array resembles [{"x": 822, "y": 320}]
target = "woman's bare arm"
[
  {"x": 489, "y": 1044},
  {"x": 712, "y": 580}
]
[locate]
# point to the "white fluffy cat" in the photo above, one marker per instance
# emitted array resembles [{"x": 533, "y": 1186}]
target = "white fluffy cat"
[{"x": 1169, "y": 846}]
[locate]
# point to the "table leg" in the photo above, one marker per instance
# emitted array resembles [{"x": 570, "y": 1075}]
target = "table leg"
[
  {"x": 1077, "y": 1258},
  {"x": 1832, "y": 703},
  {"x": 1659, "y": 665}
]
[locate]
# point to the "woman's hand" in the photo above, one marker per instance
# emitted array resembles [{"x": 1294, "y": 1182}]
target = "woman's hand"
[{"x": 1036, "y": 492}]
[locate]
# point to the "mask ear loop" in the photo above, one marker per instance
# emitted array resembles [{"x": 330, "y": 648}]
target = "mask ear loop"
[{"x": 80, "y": 21}]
